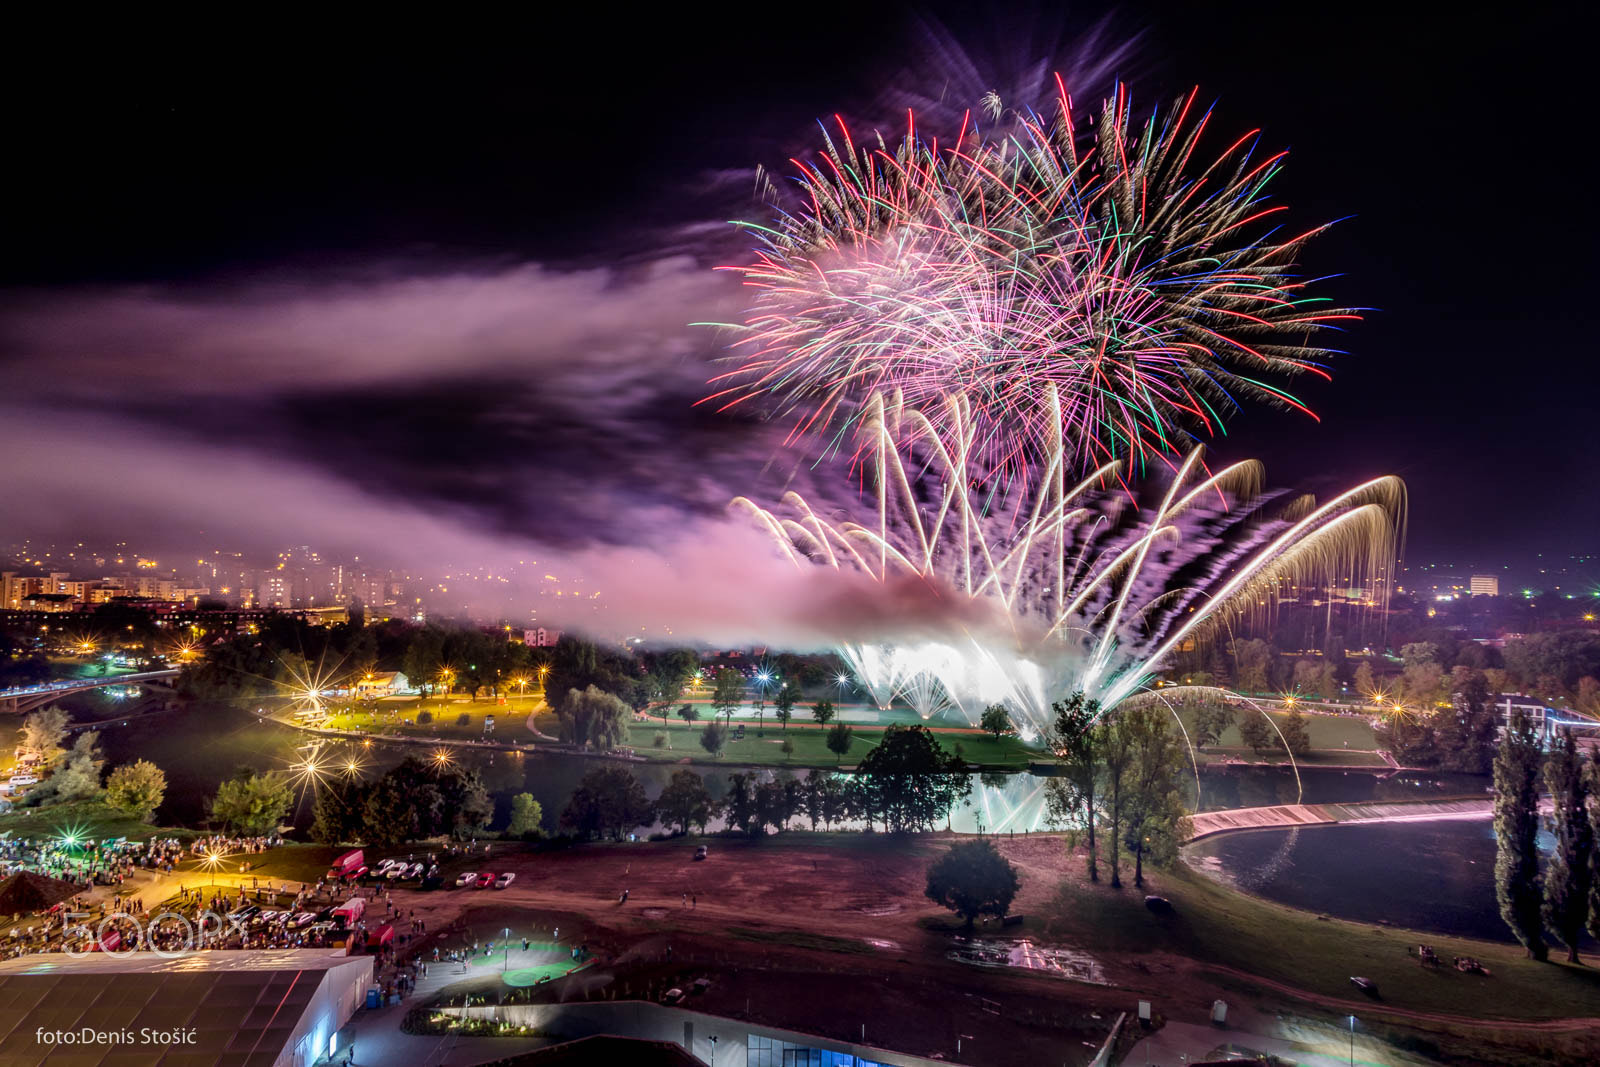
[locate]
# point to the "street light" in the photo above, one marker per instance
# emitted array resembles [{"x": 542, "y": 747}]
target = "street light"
[
  {"x": 1352, "y": 1041},
  {"x": 505, "y": 960}
]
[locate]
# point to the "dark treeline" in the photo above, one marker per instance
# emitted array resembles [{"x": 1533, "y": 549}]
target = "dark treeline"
[
  {"x": 1563, "y": 900},
  {"x": 414, "y": 801},
  {"x": 459, "y": 658},
  {"x": 1561, "y": 666},
  {"x": 906, "y": 783}
]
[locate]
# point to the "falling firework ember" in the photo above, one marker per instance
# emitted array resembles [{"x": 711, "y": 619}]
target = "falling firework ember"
[
  {"x": 1111, "y": 282},
  {"x": 1087, "y": 592}
]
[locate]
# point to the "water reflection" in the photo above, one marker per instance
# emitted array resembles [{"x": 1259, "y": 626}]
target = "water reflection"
[{"x": 1434, "y": 876}]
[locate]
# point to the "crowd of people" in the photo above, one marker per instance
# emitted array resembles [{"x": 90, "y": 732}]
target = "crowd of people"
[{"x": 78, "y": 864}]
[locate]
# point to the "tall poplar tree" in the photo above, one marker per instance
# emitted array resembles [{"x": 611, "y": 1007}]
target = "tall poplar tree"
[
  {"x": 1567, "y": 875},
  {"x": 1516, "y": 831}
]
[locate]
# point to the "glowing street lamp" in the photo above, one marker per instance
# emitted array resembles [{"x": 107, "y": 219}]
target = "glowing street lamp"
[
  {"x": 213, "y": 860},
  {"x": 441, "y": 758}
]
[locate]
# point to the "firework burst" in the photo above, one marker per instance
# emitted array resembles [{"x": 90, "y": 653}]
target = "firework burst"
[
  {"x": 1086, "y": 592},
  {"x": 1111, "y": 281}
]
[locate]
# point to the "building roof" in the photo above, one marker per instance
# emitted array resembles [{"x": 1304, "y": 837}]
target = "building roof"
[
  {"x": 242, "y": 1007},
  {"x": 267, "y": 959}
]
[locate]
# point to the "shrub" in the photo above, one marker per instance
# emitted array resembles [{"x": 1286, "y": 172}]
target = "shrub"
[{"x": 424, "y": 717}]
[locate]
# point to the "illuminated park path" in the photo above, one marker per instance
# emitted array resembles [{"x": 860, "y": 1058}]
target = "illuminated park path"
[{"x": 1207, "y": 823}]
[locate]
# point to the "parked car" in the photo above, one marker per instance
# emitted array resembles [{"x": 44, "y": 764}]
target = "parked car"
[
  {"x": 672, "y": 996},
  {"x": 413, "y": 871},
  {"x": 245, "y": 913},
  {"x": 486, "y": 879},
  {"x": 305, "y": 918},
  {"x": 701, "y": 853},
  {"x": 464, "y": 880},
  {"x": 504, "y": 880}
]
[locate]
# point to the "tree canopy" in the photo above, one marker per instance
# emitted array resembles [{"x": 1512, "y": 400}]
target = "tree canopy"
[
  {"x": 972, "y": 879},
  {"x": 909, "y": 781}
]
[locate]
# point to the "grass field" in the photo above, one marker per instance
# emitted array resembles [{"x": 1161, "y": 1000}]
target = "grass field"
[
  {"x": 764, "y": 746},
  {"x": 1217, "y": 925},
  {"x": 511, "y": 718},
  {"x": 82, "y": 819},
  {"x": 1335, "y": 739}
]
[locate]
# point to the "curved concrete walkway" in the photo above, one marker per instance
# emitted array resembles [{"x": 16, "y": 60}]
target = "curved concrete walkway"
[{"x": 1207, "y": 823}]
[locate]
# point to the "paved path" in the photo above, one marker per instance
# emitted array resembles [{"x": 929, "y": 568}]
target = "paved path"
[{"x": 1180, "y": 1043}]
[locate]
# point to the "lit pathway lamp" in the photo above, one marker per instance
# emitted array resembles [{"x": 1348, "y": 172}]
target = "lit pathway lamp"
[{"x": 212, "y": 861}]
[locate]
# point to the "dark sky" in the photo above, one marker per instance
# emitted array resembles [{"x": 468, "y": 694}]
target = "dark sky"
[{"x": 449, "y": 265}]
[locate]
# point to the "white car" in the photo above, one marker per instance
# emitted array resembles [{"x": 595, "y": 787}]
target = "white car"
[
  {"x": 413, "y": 871},
  {"x": 305, "y": 918},
  {"x": 504, "y": 880},
  {"x": 464, "y": 880},
  {"x": 387, "y": 865}
]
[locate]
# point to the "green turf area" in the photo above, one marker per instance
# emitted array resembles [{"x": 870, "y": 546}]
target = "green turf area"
[
  {"x": 397, "y": 717},
  {"x": 291, "y": 861},
  {"x": 764, "y": 746},
  {"x": 85, "y": 819},
  {"x": 1334, "y": 738},
  {"x": 526, "y": 976},
  {"x": 1214, "y": 924}
]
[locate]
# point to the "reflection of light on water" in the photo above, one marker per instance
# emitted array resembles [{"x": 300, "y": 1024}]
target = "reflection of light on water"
[
  {"x": 1251, "y": 879},
  {"x": 878, "y": 942},
  {"x": 1017, "y": 805},
  {"x": 1025, "y": 954}
]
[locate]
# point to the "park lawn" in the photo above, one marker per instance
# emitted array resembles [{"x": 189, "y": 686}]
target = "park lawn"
[
  {"x": 85, "y": 818},
  {"x": 810, "y": 748},
  {"x": 1214, "y": 924},
  {"x": 511, "y": 719},
  {"x": 1326, "y": 731},
  {"x": 290, "y": 861}
]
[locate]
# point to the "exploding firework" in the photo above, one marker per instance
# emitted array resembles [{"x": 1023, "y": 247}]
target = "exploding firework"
[
  {"x": 1109, "y": 281},
  {"x": 1085, "y": 591}
]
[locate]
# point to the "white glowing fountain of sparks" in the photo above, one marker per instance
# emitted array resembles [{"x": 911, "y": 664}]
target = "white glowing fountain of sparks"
[{"x": 1091, "y": 594}]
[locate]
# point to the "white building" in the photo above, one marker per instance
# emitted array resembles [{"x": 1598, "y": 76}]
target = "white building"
[{"x": 1485, "y": 585}]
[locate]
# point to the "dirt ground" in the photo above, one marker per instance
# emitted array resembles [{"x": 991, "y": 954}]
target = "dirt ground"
[
  {"x": 818, "y": 934},
  {"x": 828, "y": 934}
]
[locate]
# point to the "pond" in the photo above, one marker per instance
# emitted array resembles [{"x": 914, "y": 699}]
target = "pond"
[
  {"x": 1435, "y": 876},
  {"x": 199, "y": 745}
]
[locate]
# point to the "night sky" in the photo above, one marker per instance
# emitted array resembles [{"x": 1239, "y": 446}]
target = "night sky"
[{"x": 303, "y": 285}]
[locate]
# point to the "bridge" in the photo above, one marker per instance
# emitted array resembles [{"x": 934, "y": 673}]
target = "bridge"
[{"x": 30, "y": 697}]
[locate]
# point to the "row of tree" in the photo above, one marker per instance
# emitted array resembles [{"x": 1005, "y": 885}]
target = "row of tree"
[
  {"x": 415, "y": 800},
  {"x": 1560, "y": 665},
  {"x": 1459, "y": 736},
  {"x": 1565, "y": 900},
  {"x": 1119, "y": 773},
  {"x": 907, "y": 782},
  {"x": 74, "y": 774}
]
